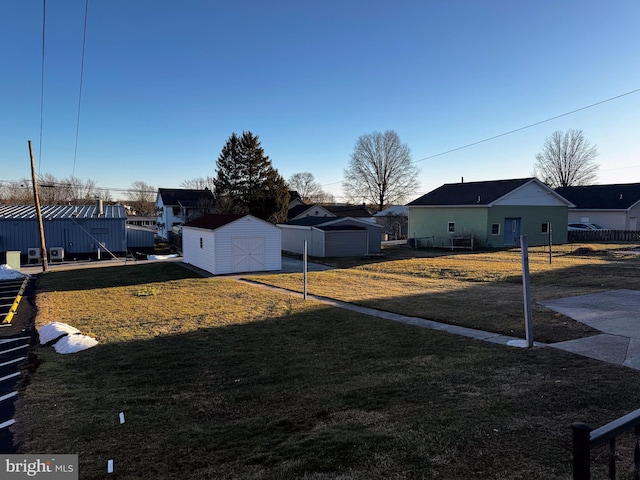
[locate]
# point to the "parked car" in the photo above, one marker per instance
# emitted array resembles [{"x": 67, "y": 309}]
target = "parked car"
[{"x": 585, "y": 226}]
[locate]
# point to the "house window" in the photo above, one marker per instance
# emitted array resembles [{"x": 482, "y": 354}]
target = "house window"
[
  {"x": 495, "y": 229},
  {"x": 176, "y": 211},
  {"x": 451, "y": 227},
  {"x": 201, "y": 242},
  {"x": 545, "y": 228}
]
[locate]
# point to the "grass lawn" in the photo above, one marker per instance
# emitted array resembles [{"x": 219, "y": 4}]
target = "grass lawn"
[
  {"x": 480, "y": 290},
  {"x": 221, "y": 380}
]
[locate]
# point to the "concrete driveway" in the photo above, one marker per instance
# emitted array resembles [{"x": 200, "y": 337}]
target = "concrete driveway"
[
  {"x": 294, "y": 265},
  {"x": 616, "y": 314}
]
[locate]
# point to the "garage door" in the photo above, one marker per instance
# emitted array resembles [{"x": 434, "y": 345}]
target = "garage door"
[
  {"x": 249, "y": 254},
  {"x": 347, "y": 243}
]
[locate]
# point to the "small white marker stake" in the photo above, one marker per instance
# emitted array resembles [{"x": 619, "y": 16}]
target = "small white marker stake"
[
  {"x": 121, "y": 418},
  {"x": 110, "y": 466}
]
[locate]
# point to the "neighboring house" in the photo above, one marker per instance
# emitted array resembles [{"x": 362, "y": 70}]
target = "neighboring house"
[
  {"x": 615, "y": 207},
  {"x": 303, "y": 210},
  {"x": 146, "y": 222},
  {"x": 331, "y": 236},
  {"x": 175, "y": 206},
  {"x": 295, "y": 199},
  {"x": 394, "y": 221},
  {"x": 353, "y": 211},
  {"x": 70, "y": 231},
  {"x": 493, "y": 213},
  {"x": 231, "y": 243}
]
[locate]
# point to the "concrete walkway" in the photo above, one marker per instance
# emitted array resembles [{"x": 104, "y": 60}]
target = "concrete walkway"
[
  {"x": 416, "y": 321},
  {"x": 616, "y": 314}
]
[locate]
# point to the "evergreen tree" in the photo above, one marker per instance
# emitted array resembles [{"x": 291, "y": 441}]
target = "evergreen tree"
[{"x": 246, "y": 182}]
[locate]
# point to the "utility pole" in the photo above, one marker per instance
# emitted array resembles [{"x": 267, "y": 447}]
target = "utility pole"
[{"x": 36, "y": 200}]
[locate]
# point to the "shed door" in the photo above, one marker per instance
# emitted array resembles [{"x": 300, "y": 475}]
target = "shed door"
[
  {"x": 512, "y": 231},
  {"x": 346, "y": 243},
  {"x": 248, "y": 254}
]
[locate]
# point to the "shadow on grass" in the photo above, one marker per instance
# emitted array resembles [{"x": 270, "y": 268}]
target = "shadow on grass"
[
  {"x": 475, "y": 300},
  {"x": 321, "y": 392},
  {"x": 113, "y": 276}
]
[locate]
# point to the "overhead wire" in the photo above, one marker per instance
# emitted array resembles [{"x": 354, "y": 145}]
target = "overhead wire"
[
  {"x": 516, "y": 130},
  {"x": 84, "y": 42},
  {"x": 44, "y": 22}
]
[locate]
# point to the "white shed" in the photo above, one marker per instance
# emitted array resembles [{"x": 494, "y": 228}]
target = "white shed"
[{"x": 231, "y": 243}]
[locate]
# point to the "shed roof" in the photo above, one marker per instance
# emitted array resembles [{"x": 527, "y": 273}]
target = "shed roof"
[
  {"x": 470, "y": 193},
  {"x": 621, "y": 196},
  {"x": 213, "y": 221},
  {"x": 50, "y": 212},
  {"x": 310, "y": 221},
  {"x": 185, "y": 197},
  {"x": 318, "y": 222}
]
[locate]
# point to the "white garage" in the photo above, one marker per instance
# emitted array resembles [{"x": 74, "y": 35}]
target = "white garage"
[
  {"x": 331, "y": 236},
  {"x": 231, "y": 243}
]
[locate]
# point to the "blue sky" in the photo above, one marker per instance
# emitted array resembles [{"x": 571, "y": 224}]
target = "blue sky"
[{"x": 165, "y": 83}]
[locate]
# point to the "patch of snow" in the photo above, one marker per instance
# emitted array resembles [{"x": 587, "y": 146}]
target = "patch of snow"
[
  {"x": 54, "y": 330},
  {"x": 517, "y": 343},
  {"x": 8, "y": 273},
  {"x": 161, "y": 257},
  {"x": 74, "y": 343},
  {"x": 67, "y": 339}
]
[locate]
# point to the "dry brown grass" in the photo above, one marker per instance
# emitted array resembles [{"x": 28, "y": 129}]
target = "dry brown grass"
[
  {"x": 480, "y": 290},
  {"x": 220, "y": 380}
]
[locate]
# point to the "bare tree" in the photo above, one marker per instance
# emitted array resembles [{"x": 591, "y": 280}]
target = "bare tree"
[
  {"x": 309, "y": 190},
  {"x": 199, "y": 183},
  {"x": 567, "y": 159},
  {"x": 324, "y": 197},
  {"x": 78, "y": 192},
  {"x": 16, "y": 193},
  {"x": 142, "y": 198},
  {"x": 48, "y": 190},
  {"x": 380, "y": 170}
]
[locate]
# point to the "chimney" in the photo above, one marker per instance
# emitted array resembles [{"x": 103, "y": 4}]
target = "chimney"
[
  {"x": 99, "y": 208},
  {"x": 461, "y": 179}
]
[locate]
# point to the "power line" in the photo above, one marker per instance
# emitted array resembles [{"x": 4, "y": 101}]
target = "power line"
[
  {"x": 44, "y": 17},
  {"x": 516, "y": 130},
  {"x": 84, "y": 41},
  {"x": 528, "y": 126}
]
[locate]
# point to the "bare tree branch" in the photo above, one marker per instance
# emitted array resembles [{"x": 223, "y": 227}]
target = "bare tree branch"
[
  {"x": 380, "y": 170},
  {"x": 567, "y": 159}
]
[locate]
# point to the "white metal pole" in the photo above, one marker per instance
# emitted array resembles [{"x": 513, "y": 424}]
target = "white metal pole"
[
  {"x": 304, "y": 271},
  {"x": 528, "y": 319}
]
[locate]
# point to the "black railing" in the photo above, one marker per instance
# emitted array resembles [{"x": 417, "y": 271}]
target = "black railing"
[{"x": 585, "y": 438}]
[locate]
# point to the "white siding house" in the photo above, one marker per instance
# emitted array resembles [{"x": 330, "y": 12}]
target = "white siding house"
[
  {"x": 231, "y": 243},
  {"x": 175, "y": 206}
]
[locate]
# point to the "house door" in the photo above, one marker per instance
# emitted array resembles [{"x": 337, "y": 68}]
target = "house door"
[
  {"x": 248, "y": 254},
  {"x": 512, "y": 231}
]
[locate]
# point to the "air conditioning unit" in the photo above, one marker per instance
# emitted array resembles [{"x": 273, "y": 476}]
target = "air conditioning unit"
[
  {"x": 34, "y": 255},
  {"x": 56, "y": 254}
]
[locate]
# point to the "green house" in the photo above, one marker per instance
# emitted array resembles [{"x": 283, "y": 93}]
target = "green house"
[{"x": 489, "y": 214}]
